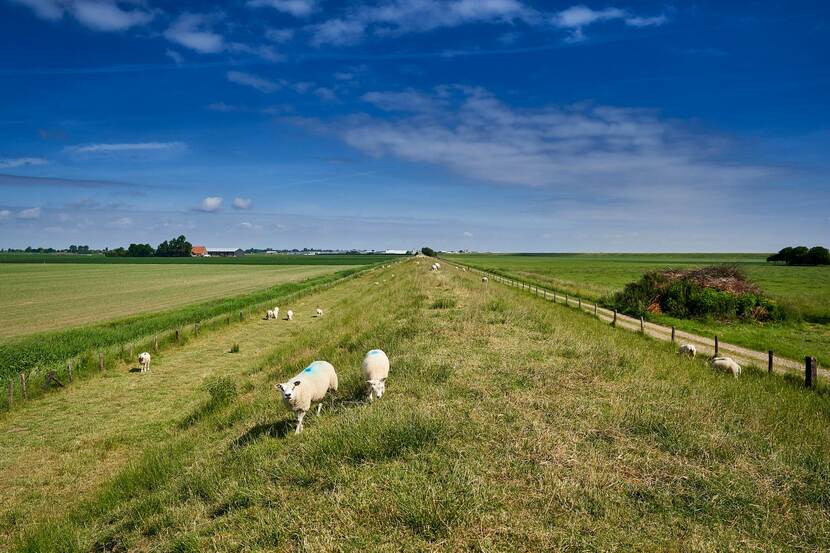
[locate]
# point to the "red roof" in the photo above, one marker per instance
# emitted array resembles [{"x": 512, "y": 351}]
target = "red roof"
[{"x": 198, "y": 250}]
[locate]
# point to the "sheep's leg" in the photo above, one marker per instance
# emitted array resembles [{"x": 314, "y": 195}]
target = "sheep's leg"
[
  {"x": 371, "y": 395},
  {"x": 319, "y": 408},
  {"x": 300, "y": 416}
]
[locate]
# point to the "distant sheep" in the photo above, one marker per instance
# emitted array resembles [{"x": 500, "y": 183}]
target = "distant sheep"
[
  {"x": 687, "y": 349},
  {"x": 437, "y": 265},
  {"x": 726, "y": 364},
  {"x": 276, "y": 312},
  {"x": 484, "y": 280},
  {"x": 310, "y": 385},
  {"x": 434, "y": 267},
  {"x": 375, "y": 372},
  {"x": 270, "y": 315},
  {"x": 144, "y": 361},
  {"x": 289, "y": 315},
  {"x": 319, "y": 312}
]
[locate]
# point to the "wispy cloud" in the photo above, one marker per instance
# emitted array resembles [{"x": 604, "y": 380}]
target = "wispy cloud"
[
  {"x": 194, "y": 31},
  {"x": 247, "y": 79},
  {"x": 30, "y": 213},
  {"x": 175, "y": 56},
  {"x": 210, "y": 204},
  {"x": 5, "y": 214},
  {"x": 58, "y": 182},
  {"x": 242, "y": 203},
  {"x": 99, "y": 15},
  {"x": 297, "y": 8},
  {"x": 117, "y": 148},
  {"x": 576, "y": 18},
  {"x": 12, "y": 163}
]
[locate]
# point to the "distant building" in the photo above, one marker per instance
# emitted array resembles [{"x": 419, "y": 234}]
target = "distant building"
[
  {"x": 225, "y": 252},
  {"x": 198, "y": 251},
  {"x": 396, "y": 252}
]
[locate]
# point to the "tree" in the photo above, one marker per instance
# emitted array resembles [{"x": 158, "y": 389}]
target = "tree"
[
  {"x": 176, "y": 247},
  {"x": 428, "y": 251},
  {"x": 140, "y": 250},
  {"x": 801, "y": 255},
  {"x": 818, "y": 255},
  {"x": 117, "y": 252}
]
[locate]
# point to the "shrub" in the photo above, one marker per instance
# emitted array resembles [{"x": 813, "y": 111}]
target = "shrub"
[{"x": 801, "y": 255}]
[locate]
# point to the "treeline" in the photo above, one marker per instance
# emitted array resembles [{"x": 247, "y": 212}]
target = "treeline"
[
  {"x": 175, "y": 247},
  {"x": 801, "y": 255},
  {"x": 71, "y": 249}
]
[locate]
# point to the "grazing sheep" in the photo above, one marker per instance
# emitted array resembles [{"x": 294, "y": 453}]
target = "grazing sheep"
[
  {"x": 276, "y": 312},
  {"x": 726, "y": 364},
  {"x": 319, "y": 312},
  {"x": 437, "y": 265},
  {"x": 687, "y": 349},
  {"x": 270, "y": 315},
  {"x": 144, "y": 361},
  {"x": 434, "y": 267},
  {"x": 289, "y": 315},
  {"x": 484, "y": 280},
  {"x": 375, "y": 372},
  {"x": 311, "y": 385}
]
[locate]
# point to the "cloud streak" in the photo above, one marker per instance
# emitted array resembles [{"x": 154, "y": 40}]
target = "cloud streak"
[
  {"x": 98, "y": 15},
  {"x": 253, "y": 81},
  {"x": 13, "y": 163}
]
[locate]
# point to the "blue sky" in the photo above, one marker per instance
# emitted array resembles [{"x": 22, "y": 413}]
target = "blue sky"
[{"x": 507, "y": 125}]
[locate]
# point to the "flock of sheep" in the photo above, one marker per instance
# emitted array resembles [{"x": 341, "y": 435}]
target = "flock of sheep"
[{"x": 719, "y": 362}]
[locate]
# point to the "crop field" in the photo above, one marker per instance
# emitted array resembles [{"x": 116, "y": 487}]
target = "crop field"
[
  {"x": 805, "y": 290},
  {"x": 41, "y": 297},
  {"x": 509, "y": 424}
]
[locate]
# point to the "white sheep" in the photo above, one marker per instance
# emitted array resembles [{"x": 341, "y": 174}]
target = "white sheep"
[
  {"x": 319, "y": 312},
  {"x": 144, "y": 361},
  {"x": 484, "y": 280},
  {"x": 437, "y": 265},
  {"x": 434, "y": 267},
  {"x": 310, "y": 385},
  {"x": 269, "y": 315},
  {"x": 375, "y": 372},
  {"x": 726, "y": 364},
  {"x": 687, "y": 349},
  {"x": 276, "y": 312},
  {"x": 289, "y": 315}
]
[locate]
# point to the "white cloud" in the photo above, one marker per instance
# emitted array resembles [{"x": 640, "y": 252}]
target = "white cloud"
[
  {"x": 99, "y": 15},
  {"x": 250, "y": 226},
  {"x": 468, "y": 234},
  {"x": 617, "y": 152},
  {"x": 31, "y": 213},
  {"x": 194, "y": 31},
  {"x": 5, "y": 214},
  {"x": 407, "y": 16},
  {"x": 297, "y": 8},
  {"x": 173, "y": 55},
  {"x": 11, "y": 163},
  {"x": 577, "y": 17},
  {"x": 253, "y": 81},
  {"x": 126, "y": 147},
  {"x": 210, "y": 204},
  {"x": 242, "y": 203}
]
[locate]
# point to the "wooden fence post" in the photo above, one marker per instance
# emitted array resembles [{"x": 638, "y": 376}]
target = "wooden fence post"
[
  {"x": 177, "y": 335},
  {"x": 810, "y": 372},
  {"x": 769, "y": 361},
  {"x": 229, "y": 320},
  {"x": 579, "y": 302},
  {"x": 24, "y": 393},
  {"x": 10, "y": 391},
  {"x": 100, "y": 361},
  {"x": 595, "y": 309},
  {"x": 642, "y": 325},
  {"x": 240, "y": 315},
  {"x": 672, "y": 334},
  {"x": 566, "y": 299},
  {"x": 716, "y": 345},
  {"x": 155, "y": 344},
  {"x": 614, "y": 322},
  {"x": 69, "y": 371}
]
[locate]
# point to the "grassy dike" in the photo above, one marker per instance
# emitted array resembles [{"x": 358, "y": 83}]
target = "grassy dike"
[{"x": 508, "y": 425}]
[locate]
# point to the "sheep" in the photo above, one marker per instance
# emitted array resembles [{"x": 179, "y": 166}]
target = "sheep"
[
  {"x": 484, "y": 280},
  {"x": 144, "y": 361},
  {"x": 319, "y": 312},
  {"x": 289, "y": 315},
  {"x": 687, "y": 349},
  {"x": 726, "y": 364},
  {"x": 434, "y": 267},
  {"x": 375, "y": 372},
  {"x": 269, "y": 315},
  {"x": 310, "y": 385},
  {"x": 437, "y": 265},
  {"x": 276, "y": 312}
]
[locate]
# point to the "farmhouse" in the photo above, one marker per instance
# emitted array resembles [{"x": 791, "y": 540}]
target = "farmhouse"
[
  {"x": 198, "y": 251},
  {"x": 225, "y": 252}
]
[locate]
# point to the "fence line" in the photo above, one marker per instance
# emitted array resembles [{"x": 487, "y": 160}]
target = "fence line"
[{"x": 780, "y": 365}]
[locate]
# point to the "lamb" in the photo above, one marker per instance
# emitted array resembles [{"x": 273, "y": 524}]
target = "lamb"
[
  {"x": 289, "y": 315},
  {"x": 375, "y": 372},
  {"x": 144, "y": 361},
  {"x": 687, "y": 349},
  {"x": 319, "y": 312},
  {"x": 726, "y": 364},
  {"x": 311, "y": 385},
  {"x": 270, "y": 315}
]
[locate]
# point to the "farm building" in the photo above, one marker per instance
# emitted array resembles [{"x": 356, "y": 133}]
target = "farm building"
[
  {"x": 198, "y": 251},
  {"x": 225, "y": 252}
]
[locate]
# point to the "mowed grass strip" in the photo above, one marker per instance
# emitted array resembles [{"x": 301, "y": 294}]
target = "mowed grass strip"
[
  {"x": 42, "y": 297},
  {"x": 508, "y": 425}
]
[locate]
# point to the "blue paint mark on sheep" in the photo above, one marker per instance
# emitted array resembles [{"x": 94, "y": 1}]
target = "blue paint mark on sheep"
[{"x": 374, "y": 352}]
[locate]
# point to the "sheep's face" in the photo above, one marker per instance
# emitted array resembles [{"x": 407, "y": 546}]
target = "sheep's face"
[
  {"x": 377, "y": 387},
  {"x": 288, "y": 389}
]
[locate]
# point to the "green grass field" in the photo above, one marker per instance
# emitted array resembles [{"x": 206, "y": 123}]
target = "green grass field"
[
  {"x": 41, "y": 297},
  {"x": 509, "y": 424},
  {"x": 251, "y": 259},
  {"x": 593, "y": 276}
]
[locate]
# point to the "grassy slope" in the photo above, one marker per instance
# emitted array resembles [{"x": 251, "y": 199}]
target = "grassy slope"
[
  {"x": 507, "y": 426},
  {"x": 595, "y": 275},
  {"x": 40, "y": 297},
  {"x": 252, "y": 259}
]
